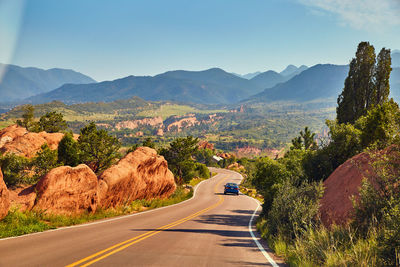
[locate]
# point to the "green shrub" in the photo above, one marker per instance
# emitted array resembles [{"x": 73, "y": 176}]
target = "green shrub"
[
  {"x": 202, "y": 171},
  {"x": 68, "y": 151},
  {"x": 294, "y": 209},
  {"x": 97, "y": 148},
  {"x": 15, "y": 169},
  {"x": 52, "y": 122},
  {"x": 43, "y": 162}
]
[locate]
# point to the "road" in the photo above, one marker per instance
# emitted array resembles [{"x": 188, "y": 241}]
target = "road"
[{"x": 211, "y": 229}]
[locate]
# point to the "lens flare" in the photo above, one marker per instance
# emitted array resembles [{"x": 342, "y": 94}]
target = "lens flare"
[{"x": 11, "y": 12}]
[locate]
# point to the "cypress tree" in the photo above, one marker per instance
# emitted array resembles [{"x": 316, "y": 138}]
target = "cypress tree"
[
  {"x": 382, "y": 75},
  {"x": 359, "y": 89}
]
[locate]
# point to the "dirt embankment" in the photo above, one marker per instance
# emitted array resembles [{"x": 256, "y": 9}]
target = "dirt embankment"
[{"x": 344, "y": 184}]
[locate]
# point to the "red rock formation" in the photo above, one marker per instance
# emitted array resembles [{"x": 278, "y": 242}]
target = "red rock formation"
[
  {"x": 160, "y": 132},
  {"x": 67, "y": 190},
  {"x": 183, "y": 123},
  {"x": 16, "y": 139},
  {"x": 344, "y": 183},
  {"x": 23, "y": 197},
  {"x": 140, "y": 133},
  {"x": 10, "y": 133},
  {"x": 205, "y": 145},
  {"x": 4, "y": 198},
  {"x": 235, "y": 166},
  {"x": 133, "y": 124},
  {"x": 140, "y": 174}
]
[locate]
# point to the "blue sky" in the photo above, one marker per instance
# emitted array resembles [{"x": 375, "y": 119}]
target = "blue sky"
[{"x": 115, "y": 38}]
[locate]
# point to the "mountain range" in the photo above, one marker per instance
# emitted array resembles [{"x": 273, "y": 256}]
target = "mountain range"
[
  {"x": 17, "y": 83},
  {"x": 212, "y": 86}
]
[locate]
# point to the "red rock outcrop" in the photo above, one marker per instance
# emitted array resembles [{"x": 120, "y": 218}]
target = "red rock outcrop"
[
  {"x": 9, "y": 133},
  {"x": 205, "y": 145},
  {"x": 16, "y": 139},
  {"x": 183, "y": 123},
  {"x": 133, "y": 124},
  {"x": 67, "y": 190},
  {"x": 23, "y": 198},
  {"x": 140, "y": 174},
  {"x": 345, "y": 182},
  {"x": 4, "y": 198}
]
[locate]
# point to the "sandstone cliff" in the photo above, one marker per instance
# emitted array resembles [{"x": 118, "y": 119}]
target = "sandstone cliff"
[
  {"x": 4, "y": 198},
  {"x": 140, "y": 174},
  {"x": 67, "y": 190},
  {"x": 16, "y": 139}
]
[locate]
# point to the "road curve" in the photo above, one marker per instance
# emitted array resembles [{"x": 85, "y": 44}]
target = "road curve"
[{"x": 211, "y": 229}]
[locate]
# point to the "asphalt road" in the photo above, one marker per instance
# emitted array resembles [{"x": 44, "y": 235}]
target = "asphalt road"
[{"x": 211, "y": 229}]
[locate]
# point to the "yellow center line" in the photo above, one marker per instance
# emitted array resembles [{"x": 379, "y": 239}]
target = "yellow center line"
[{"x": 120, "y": 246}]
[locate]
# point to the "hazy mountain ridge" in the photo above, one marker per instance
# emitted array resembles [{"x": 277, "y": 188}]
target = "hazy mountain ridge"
[
  {"x": 18, "y": 82},
  {"x": 322, "y": 81},
  {"x": 213, "y": 86}
]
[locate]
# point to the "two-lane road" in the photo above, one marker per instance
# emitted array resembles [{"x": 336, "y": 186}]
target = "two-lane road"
[{"x": 211, "y": 229}]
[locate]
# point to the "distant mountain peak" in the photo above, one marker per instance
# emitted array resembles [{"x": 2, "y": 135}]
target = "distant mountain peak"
[{"x": 291, "y": 70}]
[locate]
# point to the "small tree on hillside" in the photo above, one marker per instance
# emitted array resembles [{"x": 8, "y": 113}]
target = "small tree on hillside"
[
  {"x": 97, "y": 148},
  {"x": 179, "y": 157},
  {"x": 68, "y": 151},
  {"x": 52, "y": 122},
  {"x": 27, "y": 117},
  {"x": 305, "y": 140}
]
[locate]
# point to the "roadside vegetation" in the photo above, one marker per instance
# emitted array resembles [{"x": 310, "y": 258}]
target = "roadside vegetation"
[
  {"x": 20, "y": 223},
  {"x": 292, "y": 187}
]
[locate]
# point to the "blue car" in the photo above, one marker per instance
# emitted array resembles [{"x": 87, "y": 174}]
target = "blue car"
[{"x": 231, "y": 188}]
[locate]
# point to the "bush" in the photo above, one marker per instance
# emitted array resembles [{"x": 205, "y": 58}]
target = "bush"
[
  {"x": 15, "y": 169},
  {"x": 294, "y": 209},
  {"x": 43, "y": 162},
  {"x": 202, "y": 171},
  {"x": 97, "y": 148},
  {"x": 52, "y": 122},
  {"x": 68, "y": 151}
]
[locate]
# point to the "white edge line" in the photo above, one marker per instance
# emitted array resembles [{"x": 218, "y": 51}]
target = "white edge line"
[
  {"x": 110, "y": 219},
  {"x": 260, "y": 247}
]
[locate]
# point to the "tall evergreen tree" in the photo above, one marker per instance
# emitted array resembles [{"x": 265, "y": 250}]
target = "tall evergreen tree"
[
  {"x": 359, "y": 89},
  {"x": 382, "y": 75}
]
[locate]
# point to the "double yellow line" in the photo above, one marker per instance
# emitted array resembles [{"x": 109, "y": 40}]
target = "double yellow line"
[{"x": 120, "y": 246}]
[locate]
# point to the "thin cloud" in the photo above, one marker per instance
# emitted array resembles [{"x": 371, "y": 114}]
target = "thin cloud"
[{"x": 360, "y": 14}]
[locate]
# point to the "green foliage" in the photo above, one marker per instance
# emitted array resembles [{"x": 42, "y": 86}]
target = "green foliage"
[
  {"x": 44, "y": 161},
  {"x": 366, "y": 85},
  {"x": 149, "y": 143},
  {"x": 294, "y": 208},
  {"x": 202, "y": 171},
  {"x": 306, "y": 140},
  {"x": 52, "y": 122},
  {"x": 179, "y": 157},
  {"x": 15, "y": 169},
  {"x": 68, "y": 151},
  {"x": 97, "y": 148},
  {"x": 28, "y": 119},
  {"x": 205, "y": 156},
  {"x": 380, "y": 127}
]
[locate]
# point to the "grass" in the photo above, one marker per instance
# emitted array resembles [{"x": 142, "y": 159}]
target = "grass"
[
  {"x": 319, "y": 246},
  {"x": 4, "y": 124},
  {"x": 19, "y": 223}
]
